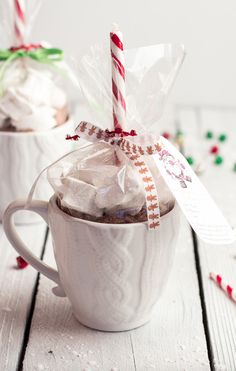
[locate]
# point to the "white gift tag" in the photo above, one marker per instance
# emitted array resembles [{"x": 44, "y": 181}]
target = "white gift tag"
[{"x": 199, "y": 208}]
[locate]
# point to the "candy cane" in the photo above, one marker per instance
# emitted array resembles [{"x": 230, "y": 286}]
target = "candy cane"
[
  {"x": 224, "y": 286},
  {"x": 118, "y": 78},
  {"x": 19, "y": 21}
]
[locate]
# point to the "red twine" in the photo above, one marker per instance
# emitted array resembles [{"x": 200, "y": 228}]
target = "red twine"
[
  {"x": 73, "y": 137},
  {"x": 120, "y": 132},
  {"x": 21, "y": 263},
  {"x": 109, "y": 134},
  {"x": 27, "y": 48}
]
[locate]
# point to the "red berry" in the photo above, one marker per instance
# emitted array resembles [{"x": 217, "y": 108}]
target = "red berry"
[
  {"x": 214, "y": 149},
  {"x": 166, "y": 135},
  {"x": 21, "y": 263}
]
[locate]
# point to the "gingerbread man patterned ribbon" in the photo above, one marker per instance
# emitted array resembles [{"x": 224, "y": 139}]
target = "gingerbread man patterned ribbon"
[{"x": 136, "y": 153}]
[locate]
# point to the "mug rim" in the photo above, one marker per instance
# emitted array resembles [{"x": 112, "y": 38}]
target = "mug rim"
[
  {"x": 53, "y": 203},
  {"x": 38, "y": 133}
]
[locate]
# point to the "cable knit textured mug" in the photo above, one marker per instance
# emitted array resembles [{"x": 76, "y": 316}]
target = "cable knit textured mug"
[
  {"x": 113, "y": 274},
  {"x": 23, "y": 156}
]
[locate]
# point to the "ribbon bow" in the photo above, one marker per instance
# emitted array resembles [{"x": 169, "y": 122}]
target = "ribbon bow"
[
  {"x": 36, "y": 52},
  {"x": 135, "y": 150},
  {"x": 33, "y": 51}
]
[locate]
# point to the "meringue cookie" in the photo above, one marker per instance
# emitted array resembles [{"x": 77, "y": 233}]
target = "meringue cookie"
[
  {"x": 98, "y": 176},
  {"x": 41, "y": 118},
  {"x": 46, "y": 92},
  {"x": 15, "y": 106},
  {"x": 93, "y": 180},
  {"x": 14, "y": 75},
  {"x": 58, "y": 97},
  {"x": 31, "y": 99},
  {"x": 77, "y": 193},
  {"x": 123, "y": 191}
]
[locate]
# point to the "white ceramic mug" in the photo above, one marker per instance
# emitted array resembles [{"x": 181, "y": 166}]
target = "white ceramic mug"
[
  {"x": 113, "y": 274},
  {"x": 22, "y": 157}
]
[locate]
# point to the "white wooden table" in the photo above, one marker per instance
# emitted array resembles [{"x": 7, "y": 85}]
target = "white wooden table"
[{"x": 194, "y": 327}]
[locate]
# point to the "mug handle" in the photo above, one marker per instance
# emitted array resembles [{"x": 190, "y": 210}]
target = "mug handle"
[{"x": 41, "y": 208}]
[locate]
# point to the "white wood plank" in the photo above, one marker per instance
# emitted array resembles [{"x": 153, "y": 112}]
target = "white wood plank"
[
  {"x": 16, "y": 294},
  {"x": 192, "y": 134},
  {"x": 173, "y": 340},
  {"x": 221, "y": 182}
]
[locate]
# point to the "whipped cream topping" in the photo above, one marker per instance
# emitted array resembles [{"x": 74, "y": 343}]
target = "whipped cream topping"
[{"x": 31, "y": 98}]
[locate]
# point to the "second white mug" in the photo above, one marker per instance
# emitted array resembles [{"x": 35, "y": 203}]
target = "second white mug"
[{"x": 22, "y": 157}]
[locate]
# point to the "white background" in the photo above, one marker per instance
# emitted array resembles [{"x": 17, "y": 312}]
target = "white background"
[{"x": 206, "y": 27}]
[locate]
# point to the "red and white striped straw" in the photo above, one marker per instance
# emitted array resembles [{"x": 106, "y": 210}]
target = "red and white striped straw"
[
  {"x": 224, "y": 286},
  {"x": 118, "y": 78},
  {"x": 19, "y": 21}
]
